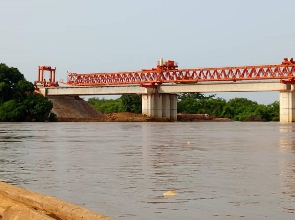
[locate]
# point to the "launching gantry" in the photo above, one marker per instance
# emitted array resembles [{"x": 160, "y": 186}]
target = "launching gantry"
[
  {"x": 168, "y": 72},
  {"x": 41, "y": 79}
]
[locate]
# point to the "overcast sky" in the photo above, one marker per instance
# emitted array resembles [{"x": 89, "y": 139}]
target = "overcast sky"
[{"x": 121, "y": 35}]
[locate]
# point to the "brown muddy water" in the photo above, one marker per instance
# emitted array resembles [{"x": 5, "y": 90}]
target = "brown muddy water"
[{"x": 218, "y": 170}]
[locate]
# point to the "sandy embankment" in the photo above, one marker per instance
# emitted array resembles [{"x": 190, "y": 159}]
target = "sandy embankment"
[{"x": 20, "y": 204}]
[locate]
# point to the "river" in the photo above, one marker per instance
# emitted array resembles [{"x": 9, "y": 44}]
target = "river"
[{"x": 219, "y": 170}]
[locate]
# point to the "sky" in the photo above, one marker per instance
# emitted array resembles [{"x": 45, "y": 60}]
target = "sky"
[{"x": 128, "y": 35}]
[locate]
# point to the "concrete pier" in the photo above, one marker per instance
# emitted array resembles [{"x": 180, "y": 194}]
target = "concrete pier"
[
  {"x": 166, "y": 106},
  {"x": 287, "y": 105},
  {"x": 160, "y": 105}
]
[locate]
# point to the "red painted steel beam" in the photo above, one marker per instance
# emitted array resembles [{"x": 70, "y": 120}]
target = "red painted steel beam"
[{"x": 283, "y": 71}]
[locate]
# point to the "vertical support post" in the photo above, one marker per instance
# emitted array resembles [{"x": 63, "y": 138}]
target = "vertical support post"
[
  {"x": 38, "y": 74},
  {"x": 144, "y": 104},
  {"x": 53, "y": 75},
  {"x": 287, "y": 105},
  {"x": 173, "y": 107},
  {"x": 151, "y": 110},
  {"x": 166, "y": 105},
  {"x": 158, "y": 105},
  {"x": 50, "y": 76},
  {"x": 42, "y": 75},
  {"x": 148, "y": 104}
]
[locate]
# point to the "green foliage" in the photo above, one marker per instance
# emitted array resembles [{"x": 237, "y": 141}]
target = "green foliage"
[
  {"x": 106, "y": 106},
  {"x": 274, "y": 110},
  {"x": 10, "y": 75},
  {"x": 131, "y": 103},
  {"x": 239, "y": 109},
  {"x": 37, "y": 107},
  {"x": 187, "y": 106},
  {"x": 52, "y": 117},
  {"x": 12, "y": 111},
  {"x": 22, "y": 89},
  {"x": 242, "y": 109},
  {"x": 5, "y": 92},
  {"x": 197, "y": 103},
  {"x": 17, "y": 99},
  {"x": 126, "y": 103},
  {"x": 195, "y": 96}
]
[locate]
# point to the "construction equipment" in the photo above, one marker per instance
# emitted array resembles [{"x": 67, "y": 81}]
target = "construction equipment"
[
  {"x": 168, "y": 72},
  {"x": 41, "y": 79}
]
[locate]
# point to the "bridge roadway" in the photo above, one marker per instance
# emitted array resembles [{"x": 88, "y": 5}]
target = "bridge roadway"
[
  {"x": 162, "y": 100},
  {"x": 166, "y": 88}
]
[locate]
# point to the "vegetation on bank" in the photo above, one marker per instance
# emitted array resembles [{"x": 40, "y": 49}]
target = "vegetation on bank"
[
  {"x": 126, "y": 103},
  {"x": 18, "y": 102},
  {"x": 238, "y": 109}
]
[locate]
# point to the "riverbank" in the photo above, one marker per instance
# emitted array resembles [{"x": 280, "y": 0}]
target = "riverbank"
[
  {"x": 19, "y": 204},
  {"x": 132, "y": 117},
  {"x": 76, "y": 109}
]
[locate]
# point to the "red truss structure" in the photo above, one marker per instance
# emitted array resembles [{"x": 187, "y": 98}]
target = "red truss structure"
[{"x": 168, "y": 72}]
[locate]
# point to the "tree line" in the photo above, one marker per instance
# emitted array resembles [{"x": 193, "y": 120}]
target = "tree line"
[{"x": 238, "y": 109}]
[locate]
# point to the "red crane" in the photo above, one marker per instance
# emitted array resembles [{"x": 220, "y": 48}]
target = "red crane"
[{"x": 168, "y": 72}]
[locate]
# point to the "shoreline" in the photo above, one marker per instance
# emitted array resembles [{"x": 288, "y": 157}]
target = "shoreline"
[
  {"x": 19, "y": 203},
  {"x": 132, "y": 117}
]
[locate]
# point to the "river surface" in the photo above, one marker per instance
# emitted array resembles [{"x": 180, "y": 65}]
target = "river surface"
[{"x": 219, "y": 170}]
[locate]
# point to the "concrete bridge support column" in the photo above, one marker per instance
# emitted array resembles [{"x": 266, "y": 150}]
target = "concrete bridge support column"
[
  {"x": 166, "y": 105},
  {"x": 148, "y": 105},
  {"x": 173, "y": 107},
  {"x": 287, "y": 106},
  {"x": 160, "y": 105}
]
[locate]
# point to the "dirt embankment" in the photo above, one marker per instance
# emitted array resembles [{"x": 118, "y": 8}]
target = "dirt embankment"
[
  {"x": 75, "y": 109},
  {"x": 116, "y": 117}
]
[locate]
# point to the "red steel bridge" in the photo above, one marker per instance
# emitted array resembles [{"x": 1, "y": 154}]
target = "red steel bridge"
[{"x": 168, "y": 72}]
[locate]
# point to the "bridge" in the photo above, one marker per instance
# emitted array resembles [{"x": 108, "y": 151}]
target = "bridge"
[{"x": 159, "y": 86}]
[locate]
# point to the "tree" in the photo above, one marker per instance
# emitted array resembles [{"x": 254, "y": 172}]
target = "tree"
[
  {"x": 22, "y": 89},
  {"x": 195, "y": 96},
  {"x": 239, "y": 109},
  {"x": 131, "y": 103},
  {"x": 5, "y": 92},
  {"x": 37, "y": 107},
  {"x": 197, "y": 103},
  {"x": 12, "y": 111},
  {"x": 274, "y": 109},
  {"x": 106, "y": 106}
]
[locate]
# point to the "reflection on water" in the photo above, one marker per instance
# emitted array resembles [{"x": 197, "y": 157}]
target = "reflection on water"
[
  {"x": 287, "y": 139},
  {"x": 216, "y": 170},
  {"x": 287, "y": 165}
]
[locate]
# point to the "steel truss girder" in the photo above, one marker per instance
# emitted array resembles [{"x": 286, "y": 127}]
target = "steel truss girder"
[{"x": 284, "y": 71}]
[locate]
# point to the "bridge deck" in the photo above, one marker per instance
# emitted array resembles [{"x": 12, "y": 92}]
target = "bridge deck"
[{"x": 167, "y": 88}]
